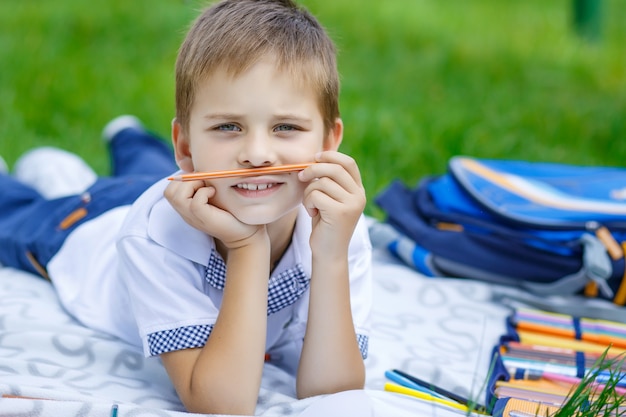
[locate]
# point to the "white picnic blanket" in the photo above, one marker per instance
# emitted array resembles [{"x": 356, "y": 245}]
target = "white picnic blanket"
[{"x": 440, "y": 330}]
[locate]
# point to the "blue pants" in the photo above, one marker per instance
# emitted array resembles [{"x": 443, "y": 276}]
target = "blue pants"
[{"x": 32, "y": 228}]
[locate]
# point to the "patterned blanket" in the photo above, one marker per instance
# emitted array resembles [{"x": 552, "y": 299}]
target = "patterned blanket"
[{"x": 440, "y": 330}]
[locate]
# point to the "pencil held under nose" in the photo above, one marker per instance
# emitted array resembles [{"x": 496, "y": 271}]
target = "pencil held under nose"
[{"x": 246, "y": 172}]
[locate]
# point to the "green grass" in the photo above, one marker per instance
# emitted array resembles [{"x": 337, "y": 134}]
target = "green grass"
[
  {"x": 422, "y": 80},
  {"x": 588, "y": 400}
]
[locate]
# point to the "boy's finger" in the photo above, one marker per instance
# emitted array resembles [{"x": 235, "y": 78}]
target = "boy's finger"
[
  {"x": 342, "y": 159},
  {"x": 202, "y": 195},
  {"x": 319, "y": 174}
]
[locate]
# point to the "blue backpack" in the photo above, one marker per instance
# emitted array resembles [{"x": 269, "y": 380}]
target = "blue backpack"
[{"x": 552, "y": 229}]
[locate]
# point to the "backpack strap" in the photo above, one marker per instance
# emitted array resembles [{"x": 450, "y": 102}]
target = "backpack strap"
[
  {"x": 557, "y": 297},
  {"x": 620, "y": 295},
  {"x": 596, "y": 268},
  {"x": 383, "y": 235},
  {"x": 576, "y": 306}
]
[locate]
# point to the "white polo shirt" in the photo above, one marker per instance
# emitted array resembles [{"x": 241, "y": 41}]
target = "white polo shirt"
[{"x": 163, "y": 287}]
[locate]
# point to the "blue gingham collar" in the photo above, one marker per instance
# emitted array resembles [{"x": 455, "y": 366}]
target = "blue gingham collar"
[{"x": 284, "y": 287}]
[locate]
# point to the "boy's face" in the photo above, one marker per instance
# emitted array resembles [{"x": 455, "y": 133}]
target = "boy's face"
[{"x": 260, "y": 118}]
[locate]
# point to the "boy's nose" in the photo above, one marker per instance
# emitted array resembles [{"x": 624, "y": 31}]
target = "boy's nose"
[{"x": 257, "y": 150}]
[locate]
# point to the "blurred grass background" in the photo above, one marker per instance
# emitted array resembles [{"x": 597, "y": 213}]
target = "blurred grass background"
[{"x": 422, "y": 80}]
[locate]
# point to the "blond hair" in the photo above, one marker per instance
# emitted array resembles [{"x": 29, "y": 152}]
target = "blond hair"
[{"x": 235, "y": 34}]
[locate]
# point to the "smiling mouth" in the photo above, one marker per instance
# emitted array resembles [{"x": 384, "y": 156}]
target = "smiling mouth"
[{"x": 255, "y": 187}]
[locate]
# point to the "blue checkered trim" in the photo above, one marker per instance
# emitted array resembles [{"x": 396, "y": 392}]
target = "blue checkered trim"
[
  {"x": 216, "y": 271},
  {"x": 363, "y": 342},
  {"x": 283, "y": 289},
  {"x": 177, "y": 339}
]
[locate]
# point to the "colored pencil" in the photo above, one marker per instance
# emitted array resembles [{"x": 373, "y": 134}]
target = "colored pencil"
[
  {"x": 598, "y": 331},
  {"x": 436, "y": 389},
  {"x": 421, "y": 395},
  {"x": 246, "y": 172},
  {"x": 22, "y": 397},
  {"x": 535, "y": 338},
  {"x": 393, "y": 376},
  {"x": 574, "y": 381},
  {"x": 561, "y": 356}
]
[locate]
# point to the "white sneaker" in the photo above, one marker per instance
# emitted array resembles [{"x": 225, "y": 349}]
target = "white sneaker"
[
  {"x": 4, "y": 168},
  {"x": 54, "y": 172},
  {"x": 118, "y": 124}
]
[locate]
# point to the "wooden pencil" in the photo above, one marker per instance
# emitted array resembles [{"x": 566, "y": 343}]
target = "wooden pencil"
[{"x": 245, "y": 172}]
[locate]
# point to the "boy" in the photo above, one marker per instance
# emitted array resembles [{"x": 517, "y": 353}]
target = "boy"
[{"x": 222, "y": 275}]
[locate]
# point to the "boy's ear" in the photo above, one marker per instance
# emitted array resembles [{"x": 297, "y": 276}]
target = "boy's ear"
[
  {"x": 180, "y": 142},
  {"x": 334, "y": 137}
]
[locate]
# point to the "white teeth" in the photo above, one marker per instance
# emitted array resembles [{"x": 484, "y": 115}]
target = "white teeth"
[{"x": 255, "y": 187}]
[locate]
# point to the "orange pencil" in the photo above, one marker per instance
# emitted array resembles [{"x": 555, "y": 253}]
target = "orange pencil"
[
  {"x": 21, "y": 397},
  {"x": 533, "y": 338},
  {"x": 246, "y": 172},
  {"x": 569, "y": 332}
]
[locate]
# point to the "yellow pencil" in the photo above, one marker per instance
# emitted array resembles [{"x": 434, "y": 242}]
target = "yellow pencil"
[{"x": 415, "y": 393}]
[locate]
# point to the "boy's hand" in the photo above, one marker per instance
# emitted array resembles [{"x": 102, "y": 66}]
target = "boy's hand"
[
  {"x": 335, "y": 199},
  {"x": 224, "y": 376},
  {"x": 191, "y": 199}
]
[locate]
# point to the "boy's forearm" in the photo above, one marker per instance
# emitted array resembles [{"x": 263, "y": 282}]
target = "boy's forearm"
[
  {"x": 331, "y": 360},
  {"x": 227, "y": 373}
]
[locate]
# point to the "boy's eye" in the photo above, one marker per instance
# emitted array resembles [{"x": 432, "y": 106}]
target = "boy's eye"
[
  {"x": 284, "y": 128},
  {"x": 228, "y": 127}
]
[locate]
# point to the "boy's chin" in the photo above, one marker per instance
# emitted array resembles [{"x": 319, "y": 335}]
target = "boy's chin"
[{"x": 256, "y": 216}]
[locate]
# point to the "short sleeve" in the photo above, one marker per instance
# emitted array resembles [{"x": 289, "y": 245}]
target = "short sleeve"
[
  {"x": 168, "y": 296},
  {"x": 360, "y": 264}
]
